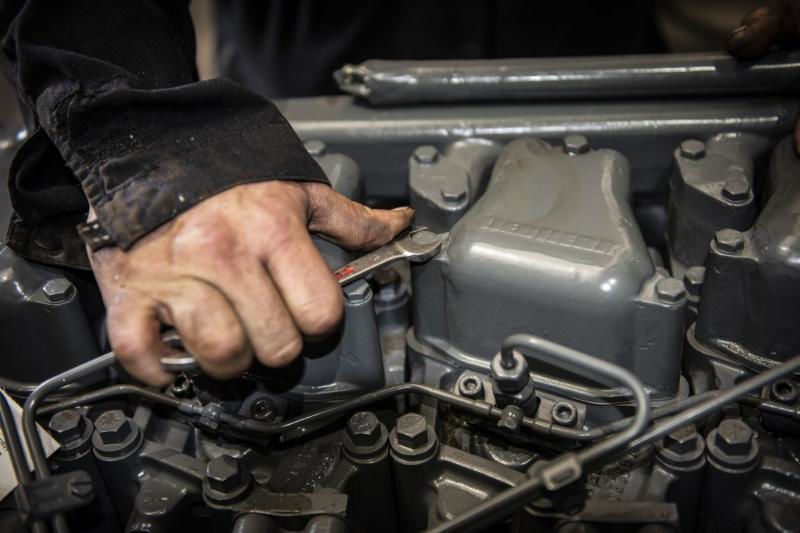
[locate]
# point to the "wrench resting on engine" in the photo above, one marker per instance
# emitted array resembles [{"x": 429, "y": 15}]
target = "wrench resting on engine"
[{"x": 416, "y": 245}]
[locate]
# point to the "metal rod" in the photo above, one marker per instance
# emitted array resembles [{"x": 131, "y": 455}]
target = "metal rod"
[
  {"x": 41, "y": 469},
  {"x": 110, "y": 392},
  {"x": 384, "y": 82},
  {"x": 16, "y": 454}
]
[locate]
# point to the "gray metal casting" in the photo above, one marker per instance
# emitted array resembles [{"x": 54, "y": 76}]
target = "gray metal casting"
[
  {"x": 383, "y": 82},
  {"x": 552, "y": 248},
  {"x": 711, "y": 188},
  {"x": 750, "y": 306}
]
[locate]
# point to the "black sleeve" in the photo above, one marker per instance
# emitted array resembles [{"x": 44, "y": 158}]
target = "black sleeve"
[{"x": 112, "y": 85}]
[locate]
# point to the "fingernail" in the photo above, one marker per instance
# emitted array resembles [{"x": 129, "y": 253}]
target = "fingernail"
[
  {"x": 739, "y": 32},
  {"x": 403, "y": 208}
]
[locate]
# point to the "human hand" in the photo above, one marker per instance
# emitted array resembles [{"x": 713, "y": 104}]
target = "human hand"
[
  {"x": 237, "y": 276},
  {"x": 775, "y": 24}
]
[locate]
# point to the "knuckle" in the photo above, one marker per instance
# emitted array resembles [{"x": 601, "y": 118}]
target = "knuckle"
[
  {"x": 286, "y": 352},
  {"x": 321, "y": 316},
  {"x": 220, "y": 348}
]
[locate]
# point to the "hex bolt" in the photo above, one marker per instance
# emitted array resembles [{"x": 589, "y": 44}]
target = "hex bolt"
[
  {"x": 316, "y": 148},
  {"x": 426, "y": 154},
  {"x": 683, "y": 440},
  {"x": 262, "y": 409},
  {"x": 424, "y": 237},
  {"x": 784, "y": 391},
  {"x": 729, "y": 241},
  {"x": 736, "y": 189},
  {"x": 733, "y": 437},
  {"x": 113, "y": 427},
  {"x": 358, "y": 292},
  {"x": 670, "y": 290},
  {"x": 364, "y": 429},
  {"x": 693, "y": 149},
  {"x": 576, "y": 144},
  {"x": 67, "y": 425},
  {"x": 453, "y": 194},
  {"x": 693, "y": 279},
  {"x": 182, "y": 386},
  {"x": 564, "y": 414},
  {"x": 412, "y": 430},
  {"x": 225, "y": 474},
  {"x": 58, "y": 290},
  {"x": 470, "y": 386}
]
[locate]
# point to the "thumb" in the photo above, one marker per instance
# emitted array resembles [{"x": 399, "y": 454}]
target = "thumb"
[
  {"x": 762, "y": 28},
  {"x": 351, "y": 224}
]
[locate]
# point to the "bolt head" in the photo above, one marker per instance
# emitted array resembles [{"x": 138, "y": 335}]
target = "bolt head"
[
  {"x": 693, "y": 149},
  {"x": 263, "y": 409},
  {"x": 316, "y": 148},
  {"x": 670, "y": 290},
  {"x": 224, "y": 473},
  {"x": 576, "y": 144},
  {"x": 733, "y": 437},
  {"x": 682, "y": 441},
  {"x": 58, "y": 290},
  {"x": 113, "y": 427},
  {"x": 564, "y": 414},
  {"x": 784, "y": 391},
  {"x": 453, "y": 193},
  {"x": 67, "y": 425},
  {"x": 426, "y": 154},
  {"x": 693, "y": 279},
  {"x": 357, "y": 292},
  {"x": 412, "y": 430},
  {"x": 736, "y": 188},
  {"x": 729, "y": 241},
  {"x": 364, "y": 429},
  {"x": 470, "y": 386}
]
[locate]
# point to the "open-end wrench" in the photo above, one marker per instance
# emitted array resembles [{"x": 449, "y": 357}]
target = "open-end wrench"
[{"x": 416, "y": 245}]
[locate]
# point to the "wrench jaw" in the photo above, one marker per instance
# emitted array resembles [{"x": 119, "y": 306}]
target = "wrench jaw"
[{"x": 420, "y": 244}]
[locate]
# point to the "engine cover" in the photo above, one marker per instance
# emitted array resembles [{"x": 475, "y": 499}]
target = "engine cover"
[{"x": 552, "y": 247}]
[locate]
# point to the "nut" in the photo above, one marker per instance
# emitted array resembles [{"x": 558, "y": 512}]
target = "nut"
[
  {"x": 729, "y": 241},
  {"x": 693, "y": 149},
  {"x": 426, "y": 154},
  {"x": 453, "y": 193},
  {"x": 670, "y": 290},
  {"x": 470, "y": 386},
  {"x": 683, "y": 440},
  {"x": 564, "y": 414},
  {"x": 67, "y": 425},
  {"x": 736, "y": 188},
  {"x": 113, "y": 427},
  {"x": 510, "y": 380},
  {"x": 58, "y": 290},
  {"x": 364, "y": 429},
  {"x": 693, "y": 279},
  {"x": 412, "y": 430},
  {"x": 733, "y": 437},
  {"x": 576, "y": 144},
  {"x": 316, "y": 148},
  {"x": 225, "y": 474}
]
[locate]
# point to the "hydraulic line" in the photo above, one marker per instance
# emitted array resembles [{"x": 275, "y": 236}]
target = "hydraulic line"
[
  {"x": 41, "y": 469},
  {"x": 16, "y": 454}
]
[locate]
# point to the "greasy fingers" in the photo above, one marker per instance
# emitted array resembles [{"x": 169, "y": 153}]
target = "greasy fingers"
[
  {"x": 210, "y": 330},
  {"x": 133, "y": 329},
  {"x": 350, "y": 224},
  {"x": 765, "y": 27},
  {"x": 303, "y": 279}
]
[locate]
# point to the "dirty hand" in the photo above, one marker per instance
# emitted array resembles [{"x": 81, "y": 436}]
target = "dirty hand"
[
  {"x": 776, "y": 24},
  {"x": 237, "y": 275}
]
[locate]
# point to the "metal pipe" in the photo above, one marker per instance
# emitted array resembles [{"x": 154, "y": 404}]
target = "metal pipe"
[
  {"x": 505, "y": 503},
  {"x": 15, "y": 454},
  {"x": 110, "y": 392},
  {"x": 383, "y": 82},
  {"x": 41, "y": 469}
]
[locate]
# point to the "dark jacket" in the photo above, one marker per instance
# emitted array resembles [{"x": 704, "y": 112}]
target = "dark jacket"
[{"x": 120, "y": 122}]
